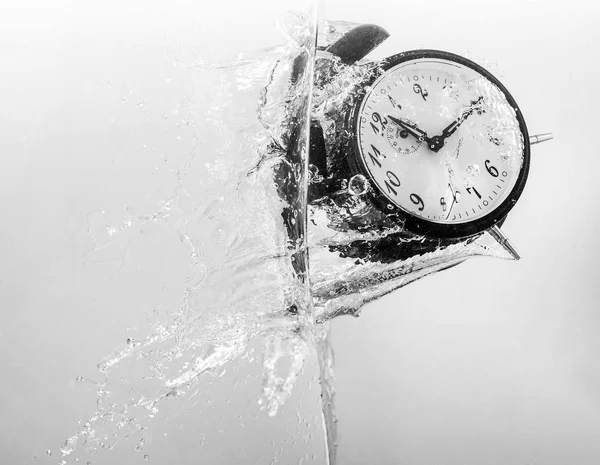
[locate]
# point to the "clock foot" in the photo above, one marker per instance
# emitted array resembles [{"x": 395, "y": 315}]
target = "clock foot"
[
  {"x": 539, "y": 138},
  {"x": 499, "y": 236}
]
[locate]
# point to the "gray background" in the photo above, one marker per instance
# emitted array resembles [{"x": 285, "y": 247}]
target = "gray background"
[
  {"x": 494, "y": 362},
  {"x": 489, "y": 363}
]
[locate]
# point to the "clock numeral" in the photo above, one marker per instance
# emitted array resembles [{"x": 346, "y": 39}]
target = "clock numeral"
[
  {"x": 443, "y": 203},
  {"x": 378, "y": 154},
  {"x": 491, "y": 169},
  {"x": 414, "y": 198},
  {"x": 380, "y": 121},
  {"x": 422, "y": 92},
  {"x": 394, "y": 104},
  {"x": 474, "y": 190},
  {"x": 393, "y": 180}
]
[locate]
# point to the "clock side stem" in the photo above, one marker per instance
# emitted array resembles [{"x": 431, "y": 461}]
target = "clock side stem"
[{"x": 539, "y": 138}]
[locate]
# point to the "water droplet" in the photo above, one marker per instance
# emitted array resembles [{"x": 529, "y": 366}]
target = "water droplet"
[
  {"x": 313, "y": 174},
  {"x": 68, "y": 446},
  {"x": 358, "y": 185},
  {"x": 473, "y": 170},
  {"x": 142, "y": 106},
  {"x": 146, "y": 457}
]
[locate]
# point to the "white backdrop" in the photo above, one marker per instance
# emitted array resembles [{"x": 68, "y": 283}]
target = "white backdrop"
[{"x": 488, "y": 363}]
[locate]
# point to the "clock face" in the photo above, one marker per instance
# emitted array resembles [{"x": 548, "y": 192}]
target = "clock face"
[{"x": 443, "y": 142}]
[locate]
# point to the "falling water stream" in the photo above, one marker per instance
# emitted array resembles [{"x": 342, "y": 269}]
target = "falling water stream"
[{"x": 254, "y": 282}]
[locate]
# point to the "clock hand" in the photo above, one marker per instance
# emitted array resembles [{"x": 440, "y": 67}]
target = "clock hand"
[
  {"x": 437, "y": 142},
  {"x": 455, "y": 193},
  {"x": 413, "y": 130},
  {"x": 453, "y": 201},
  {"x": 455, "y": 198}
]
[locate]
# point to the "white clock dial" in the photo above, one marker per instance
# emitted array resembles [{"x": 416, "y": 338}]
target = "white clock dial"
[{"x": 440, "y": 140}]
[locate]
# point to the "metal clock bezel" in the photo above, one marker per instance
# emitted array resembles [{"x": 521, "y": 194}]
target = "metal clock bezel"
[{"x": 412, "y": 222}]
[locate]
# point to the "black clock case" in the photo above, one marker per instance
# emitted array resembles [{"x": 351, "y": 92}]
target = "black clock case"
[{"x": 412, "y": 223}]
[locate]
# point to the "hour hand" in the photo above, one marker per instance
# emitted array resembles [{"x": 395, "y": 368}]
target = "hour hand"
[{"x": 413, "y": 130}]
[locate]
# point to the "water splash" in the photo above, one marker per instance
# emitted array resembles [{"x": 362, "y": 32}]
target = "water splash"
[
  {"x": 247, "y": 275},
  {"x": 244, "y": 239}
]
